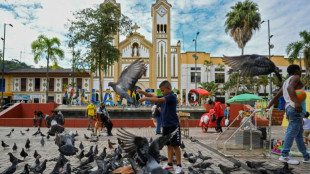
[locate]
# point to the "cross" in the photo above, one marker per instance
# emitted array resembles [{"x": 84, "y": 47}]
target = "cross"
[{"x": 135, "y": 27}]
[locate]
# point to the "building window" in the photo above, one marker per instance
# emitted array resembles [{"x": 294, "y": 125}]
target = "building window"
[
  {"x": 2, "y": 87},
  {"x": 193, "y": 77},
  {"x": 50, "y": 99},
  {"x": 37, "y": 83},
  {"x": 219, "y": 77},
  {"x": 51, "y": 84},
  {"x": 79, "y": 83},
  {"x": 64, "y": 83},
  {"x": 23, "y": 84},
  {"x": 193, "y": 68}
]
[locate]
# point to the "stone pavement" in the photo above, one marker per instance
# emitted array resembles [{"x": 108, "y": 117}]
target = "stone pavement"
[{"x": 206, "y": 145}]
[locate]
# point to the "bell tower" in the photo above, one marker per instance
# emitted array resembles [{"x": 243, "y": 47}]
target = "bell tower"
[{"x": 161, "y": 42}]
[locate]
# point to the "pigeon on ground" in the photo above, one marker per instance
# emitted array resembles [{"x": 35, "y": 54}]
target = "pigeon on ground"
[
  {"x": 225, "y": 169},
  {"x": 35, "y": 165},
  {"x": 8, "y": 135},
  {"x": 86, "y": 137},
  {"x": 66, "y": 144},
  {"x": 193, "y": 159},
  {"x": 237, "y": 164},
  {"x": 202, "y": 156},
  {"x": 252, "y": 65},
  {"x": 281, "y": 170},
  {"x": 94, "y": 139},
  {"x": 254, "y": 164},
  {"x": 182, "y": 146},
  {"x": 41, "y": 168},
  {"x": 23, "y": 153},
  {"x": 27, "y": 145},
  {"x": 146, "y": 156},
  {"x": 90, "y": 152},
  {"x": 4, "y": 145},
  {"x": 13, "y": 158},
  {"x": 81, "y": 146},
  {"x": 187, "y": 155},
  {"x": 42, "y": 141},
  {"x": 76, "y": 133},
  {"x": 12, "y": 130},
  {"x": 27, "y": 129},
  {"x": 14, "y": 148},
  {"x": 68, "y": 169},
  {"x": 192, "y": 139},
  {"x": 42, "y": 134},
  {"x": 36, "y": 154},
  {"x": 81, "y": 155},
  {"x": 22, "y": 133},
  {"x": 103, "y": 154},
  {"x": 128, "y": 79},
  {"x": 203, "y": 165},
  {"x": 96, "y": 150},
  {"x": 192, "y": 171},
  {"x": 26, "y": 169},
  {"x": 110, "y": 144},
  {"x": 11, "y": 169},
  {"x": 163, "y": 158}
]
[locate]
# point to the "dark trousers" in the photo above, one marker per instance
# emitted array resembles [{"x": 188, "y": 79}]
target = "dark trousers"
[
  {"x": 218, "y": 124},
  {"x": 109, "y": 126},
  {"x": 35, "y": 121}
]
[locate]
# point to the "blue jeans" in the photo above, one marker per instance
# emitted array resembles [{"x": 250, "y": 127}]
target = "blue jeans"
[
  {"x": 294, "y": 131},
  {"x": 158, "y": 127},
  {"x": 35, "y": 121}
]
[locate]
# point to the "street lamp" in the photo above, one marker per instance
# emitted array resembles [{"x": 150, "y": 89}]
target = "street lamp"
[
  {"x": 3, "y": 86},
  {"x": 195, "y": 57},
  {"x": 270, "y": 46}
]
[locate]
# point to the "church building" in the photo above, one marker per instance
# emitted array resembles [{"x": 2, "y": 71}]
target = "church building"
[{"x": 161, "y": 56}]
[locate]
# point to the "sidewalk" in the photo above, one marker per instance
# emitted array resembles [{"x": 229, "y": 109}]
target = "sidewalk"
[{"x": 206, "y": 145}]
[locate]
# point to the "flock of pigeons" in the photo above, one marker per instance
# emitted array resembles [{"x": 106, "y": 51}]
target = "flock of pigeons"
[{"x": 141, "y": 154}]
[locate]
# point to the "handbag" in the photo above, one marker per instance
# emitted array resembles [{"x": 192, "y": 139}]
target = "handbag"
[{"x": 213, "y": 117}]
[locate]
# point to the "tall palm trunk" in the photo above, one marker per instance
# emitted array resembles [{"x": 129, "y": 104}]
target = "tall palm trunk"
[
  {"x": 265, "y": 90},
  {"x": 307, "y": 65},
  {"x": 238, "y": 84},
  {"x": 47, "y": 79},
  {"x": 100, "y": 78}
]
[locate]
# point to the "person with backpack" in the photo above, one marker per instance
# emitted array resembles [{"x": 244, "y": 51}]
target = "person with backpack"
[{"x": 103, "y": 113}]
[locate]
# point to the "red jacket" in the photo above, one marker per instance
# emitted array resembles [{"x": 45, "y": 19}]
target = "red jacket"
[{"x": 218, "y": 110}]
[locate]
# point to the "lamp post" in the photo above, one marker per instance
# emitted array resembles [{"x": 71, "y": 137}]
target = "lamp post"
[
  {"x": 2, "y": 84},
  {"x": 195, "y": 57},
  {"x": 270, "y": 46}
]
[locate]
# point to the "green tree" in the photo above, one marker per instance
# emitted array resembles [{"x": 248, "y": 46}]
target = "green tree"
[
  {"x": 211, "y": 87},
  {"x": 49, "y": 49},
  {"x": 95, "y": 29},
  {"x": 293, "y": 49},
  {"x": 208, "y": 64},
  {"x": 15, "y": 64},
  {"x": 263, "y": 80},
  {"x": 242, "y": 21}
]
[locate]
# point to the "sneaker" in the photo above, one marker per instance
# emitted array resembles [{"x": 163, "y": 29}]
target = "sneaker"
[
  {"x": 167, "y": 167},
  {"x": 179, "y": 169},
  {"x": 306, "y": 161},
  {"x": 288, "y": 160}
]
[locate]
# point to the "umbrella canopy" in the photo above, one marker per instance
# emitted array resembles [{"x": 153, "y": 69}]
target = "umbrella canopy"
[{"x": 244, "y": 98}]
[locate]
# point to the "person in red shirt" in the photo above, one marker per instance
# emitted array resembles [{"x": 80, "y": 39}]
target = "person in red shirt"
[{"x": 218, "y": 113}]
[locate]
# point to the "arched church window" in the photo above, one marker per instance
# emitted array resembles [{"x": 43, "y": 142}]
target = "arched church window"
[
  {"x": 161, "y": 28},
  {"x": 157, "y": 28},
  {"x": 165, "y": 28}
]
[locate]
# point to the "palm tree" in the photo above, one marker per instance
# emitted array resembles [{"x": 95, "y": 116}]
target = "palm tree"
[
  {"x": 293, "y": 49},
  {"x": 208, "y": 64},
  {"x": 242, "y": 21},
  {"x": 47, "y": 48},
  {"x": 212, "y": 87},
  {"x": 264, "y": 81}
]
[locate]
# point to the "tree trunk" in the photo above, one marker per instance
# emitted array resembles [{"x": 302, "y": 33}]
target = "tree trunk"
[
  {"x": 307, "y": 65},
  {"x": 100, "y": 78},
  {"x": 238, "y": 84},
  {"x": 47, "y": 79},
  {"x": 265, "y": 90},
  {"x": 242, "y": 51}
]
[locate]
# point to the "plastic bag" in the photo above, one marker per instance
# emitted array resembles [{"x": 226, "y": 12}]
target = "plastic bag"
[
  {"x": 213, "y": 117},
  {"x": 206, "y": 119},
  {"x": 226, "y": 122}
]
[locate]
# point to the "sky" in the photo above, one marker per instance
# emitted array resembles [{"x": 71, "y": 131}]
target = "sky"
[{"x": 30, "y": 18}]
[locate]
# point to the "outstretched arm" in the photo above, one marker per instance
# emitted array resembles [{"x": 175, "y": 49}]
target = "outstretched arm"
[
  {"x": 145, "y": 93},
  {"x": 279, "y": 94},
  {"x": 153, "y": 99}
]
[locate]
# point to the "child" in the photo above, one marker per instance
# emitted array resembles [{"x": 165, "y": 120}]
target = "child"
[
  {"x": 306, "y": 126},
  {"x": 99, "y": 124},
  {"x": 170, "y": 121}
]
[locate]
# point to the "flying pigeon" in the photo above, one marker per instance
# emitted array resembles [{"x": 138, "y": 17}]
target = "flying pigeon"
[
  {"x": 144, "y": 154},
  {"x": 252, "y": 65},
  {"x": 128, "y": 79}
]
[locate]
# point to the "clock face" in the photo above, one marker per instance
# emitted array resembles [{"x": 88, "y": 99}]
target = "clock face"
[{"x": 161, "y": 11}]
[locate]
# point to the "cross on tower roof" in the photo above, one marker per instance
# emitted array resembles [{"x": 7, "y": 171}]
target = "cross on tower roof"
[{"x": 135, "y": 27}]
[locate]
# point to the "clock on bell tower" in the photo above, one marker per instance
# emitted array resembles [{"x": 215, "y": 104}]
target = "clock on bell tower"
[{"x": 161, "y": 40}]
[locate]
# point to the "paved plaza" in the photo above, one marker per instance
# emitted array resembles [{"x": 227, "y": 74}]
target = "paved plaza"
[{"x": 206, "y": 144}]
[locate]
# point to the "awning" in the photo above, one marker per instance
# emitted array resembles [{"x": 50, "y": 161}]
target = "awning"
[
  {"x": 200, "y": 91},
  {"x": 7, "y": 93}
]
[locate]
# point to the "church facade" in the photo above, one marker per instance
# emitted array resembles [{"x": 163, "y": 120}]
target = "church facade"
[{"x": 162, "y": 57}]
